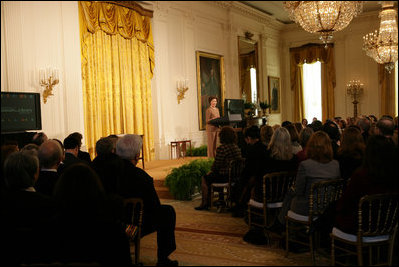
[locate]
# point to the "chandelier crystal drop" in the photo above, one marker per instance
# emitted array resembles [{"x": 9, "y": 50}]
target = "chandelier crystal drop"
[
  {"x": 323, "y": 17},
  {"x": 382, "y": 45}
]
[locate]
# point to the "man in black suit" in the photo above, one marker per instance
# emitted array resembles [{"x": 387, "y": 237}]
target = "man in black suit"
[
  {"x": 137, "y": 183},
  {"x": 81, "y": 154},
  {"x": 50, "y": 155},
  {"x": 71, "y": 146},
  {"x": 26, "y": 215}
]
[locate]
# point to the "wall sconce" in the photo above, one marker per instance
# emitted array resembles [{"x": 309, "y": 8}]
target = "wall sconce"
[
  {"x": 182, "y": 87},
  {"x": 48, "y": 78},
  {"x": 355, "y": 90}
]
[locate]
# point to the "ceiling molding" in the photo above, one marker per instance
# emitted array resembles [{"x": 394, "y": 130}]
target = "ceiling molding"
[{"x": 250, "y": 12}]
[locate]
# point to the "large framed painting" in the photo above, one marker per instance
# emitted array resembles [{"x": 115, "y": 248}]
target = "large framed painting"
[
  {"x": 274, "y": 94},
  {"x": 210, "y": 82}
]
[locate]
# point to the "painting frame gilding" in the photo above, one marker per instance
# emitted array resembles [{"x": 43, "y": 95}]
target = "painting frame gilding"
[
  {"x": 210, "y": 82},
  {"x": 274, "y": 86}
]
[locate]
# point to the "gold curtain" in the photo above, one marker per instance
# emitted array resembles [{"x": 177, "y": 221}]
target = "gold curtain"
[
  {"x": 117, "y": 66},
  {"x": 386, "y": 84},
  {"x": 311, "y": 53}
]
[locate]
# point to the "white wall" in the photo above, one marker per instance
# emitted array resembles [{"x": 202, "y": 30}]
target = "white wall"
[
  {"x": 37, "y": 35},
  {"x": 351, "y": 63}
]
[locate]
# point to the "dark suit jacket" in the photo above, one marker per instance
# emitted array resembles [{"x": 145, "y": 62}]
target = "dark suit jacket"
[
  {"x": 69, "y": 160},
  {"x": 84, "y": 156},
  {"x": 46, "y": 182},
  {"x": 137, "y": 183}
]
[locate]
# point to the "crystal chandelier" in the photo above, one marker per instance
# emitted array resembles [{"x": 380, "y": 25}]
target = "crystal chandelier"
[
  {"x": 323, "y": 17},
  {"x": 382, "y": 45}
]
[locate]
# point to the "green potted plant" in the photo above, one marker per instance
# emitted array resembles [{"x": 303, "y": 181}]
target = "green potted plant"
[
  {"x": 249, "y": 108},
  {"x": 264, "y": 105}
]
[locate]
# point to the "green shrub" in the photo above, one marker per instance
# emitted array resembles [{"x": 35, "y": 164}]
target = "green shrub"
[
  {"x": 185, "y": 180},
  {"x": 198, "y": 151}
]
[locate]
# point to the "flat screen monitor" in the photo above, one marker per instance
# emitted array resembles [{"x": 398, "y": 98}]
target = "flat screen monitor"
[
  {"x": 234, "y": 109},
  {"x": 20, "y": 112}
]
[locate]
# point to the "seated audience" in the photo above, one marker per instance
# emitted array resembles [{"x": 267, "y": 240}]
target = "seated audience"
[
  {"x": 137, "y": 183},
  {"x": 50, "y": 156},
  {"x": 320, "y": 165},
  {"x": 88, "y": 230},
  {"x": 71, "y": 146},
  {"x": 39, "y": 138},
  {"x": 350, "y": 153},
  {"x": 81, "y": 154},
  {"x": 6, "y": 150},
  {"x": 304, "y": 137},
  {"x": 26, "y": 214},
  {"x": 316, "y": 125},
  {"x": 31, "y": 146},
  {"x": 333, "y": 132},
  {"x": 226, "y": 152},
  {"x": 304, "y": 123},
  {"x": 364, "y": 125},
  {"x": 378, "y": 174}
]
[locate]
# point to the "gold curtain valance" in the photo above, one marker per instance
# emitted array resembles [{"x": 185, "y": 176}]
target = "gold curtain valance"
[
  {"x": 311, "y": 53},
  {"x": 115, "y": 19}
]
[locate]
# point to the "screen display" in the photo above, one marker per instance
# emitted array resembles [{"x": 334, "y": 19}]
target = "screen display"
[{"x": 20, "y": 112}]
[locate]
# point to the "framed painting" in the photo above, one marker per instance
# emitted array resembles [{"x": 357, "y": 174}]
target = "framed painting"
[
  {"x": 210, "y": 82},
  {"x": 274, "y": 94}
]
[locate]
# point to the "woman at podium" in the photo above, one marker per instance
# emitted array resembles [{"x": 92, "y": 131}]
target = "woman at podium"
[{"x": 212, "y": 112}]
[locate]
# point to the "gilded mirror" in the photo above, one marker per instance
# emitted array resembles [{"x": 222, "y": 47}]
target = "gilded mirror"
[{"x": 248, "y": 67}]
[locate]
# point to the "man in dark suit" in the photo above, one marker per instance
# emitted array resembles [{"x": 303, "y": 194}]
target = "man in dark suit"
[
  {"x": 81, "y": 154},
  {"x": 50, "y": 155},
  {"x": 137, "y": 183},
  {"x": 71, "y": 146},
  {"x": 26, "y": 215}
]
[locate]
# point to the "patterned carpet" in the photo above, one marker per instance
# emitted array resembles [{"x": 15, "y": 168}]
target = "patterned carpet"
[{"x": 208, "y": 238}]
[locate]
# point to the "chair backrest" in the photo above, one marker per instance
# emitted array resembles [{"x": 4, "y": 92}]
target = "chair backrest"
[
  {"x": 378, "y": 214},
  {"x": 133, "y": 214},
  {"x": 276, "y": 185},
  {"x": 236, "y": 168},
  {"x": 322, "y": 194}
]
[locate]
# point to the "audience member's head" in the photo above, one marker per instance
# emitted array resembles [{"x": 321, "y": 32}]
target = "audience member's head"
[
  {"x": 79, "y": 192},
  {"x": 6, "y": 150},
  {"x": 266, "y": 133},
  {"x": 104, "y": 146},
  {"x": 381, "y": 159},
  {"x": 39, "y": 138},
  {"x": 293, "y": 132},
  {"x": 385, "y": 126},
  {"x": 332, "y": 130},
  {"x": 364, "y": 124},
  {"x": 252, "y": 134},
  {"x": 280, "y": 146},
  {"x": 285, "y": 123},
  {"x": 21, "y": 169},
  {"x": 114, "y": 139},
  {"x": 50, "y": 154},
  {"x": 62, "y": 147},
  {"x": 129, "y": 147},
  {"x": 227, "y": 135},
  {"x": 304, "y": 136},
  {"x": 316, "y": 125},
  {"x": 71, "y": 145},
  {"x": 342, "y": 124},
  {"x": 352, "y": 140},
  {"x": 78, "y": 137},
  {"x": 319, "y": 147},
  {"x": 31, "y": 146},
  {"x": 304, "y": 122},
  {"x": 298, "y": 126}
]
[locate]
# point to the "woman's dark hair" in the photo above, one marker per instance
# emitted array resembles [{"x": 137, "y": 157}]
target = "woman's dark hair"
[
  {"x": 227, "y": 135},
  {"x": 352, "y": 142},
  {"x": 252, "y": 132},
  {"x": 19, "y": 170},
  {"x": 293, "y": 132},
  {"x": 381, "y": 159},
  {"x": 79, "y": 191},
  {"x": 211, "y": 98},
  {"x": 304, "y": 136}
]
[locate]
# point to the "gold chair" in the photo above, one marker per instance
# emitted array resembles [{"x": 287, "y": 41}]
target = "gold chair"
[
  {"x": 377, "y": 228},
  {"x": 274, "y": 188},
  {"x": 133, "y": 221},
  {"x": 323, "y": 192},
  {"x": 236, "y": 167}
]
